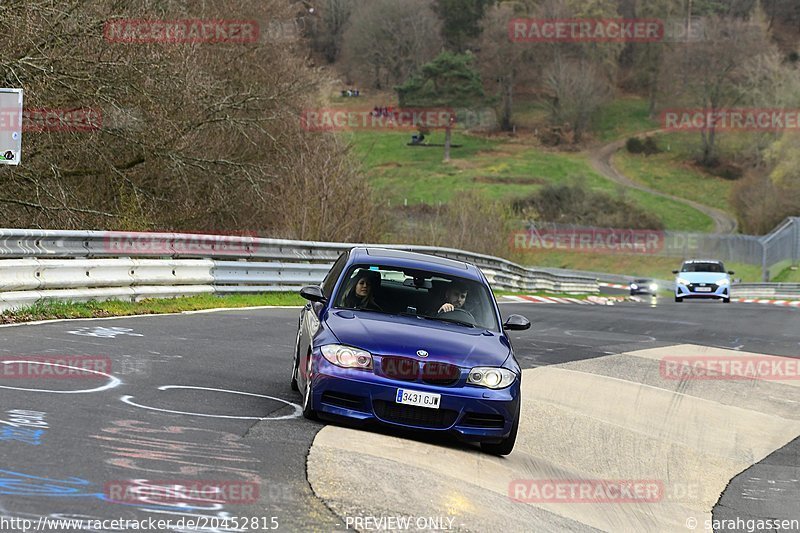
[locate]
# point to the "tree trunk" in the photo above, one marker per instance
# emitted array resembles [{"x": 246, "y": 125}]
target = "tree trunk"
[
  {"x": 505, "y": 123},
  {"x": 447, "y": 143}
]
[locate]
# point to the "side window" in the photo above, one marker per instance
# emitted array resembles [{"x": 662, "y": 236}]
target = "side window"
[{"x": 333, "y": 274}]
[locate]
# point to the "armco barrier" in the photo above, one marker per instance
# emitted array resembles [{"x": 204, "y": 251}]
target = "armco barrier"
[
  {"x": 766, "y": 290},
  {"x": 99, "y": 265}
]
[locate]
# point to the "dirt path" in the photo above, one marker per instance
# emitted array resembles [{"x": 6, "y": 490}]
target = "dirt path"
[{"x": 600, "y": 159}]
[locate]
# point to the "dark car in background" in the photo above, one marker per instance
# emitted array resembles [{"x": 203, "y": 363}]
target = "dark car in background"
[{"x": 643, "y": 286}]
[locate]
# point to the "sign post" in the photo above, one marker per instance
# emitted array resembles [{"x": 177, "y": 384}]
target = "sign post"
[{"x": 10, "y": 126}]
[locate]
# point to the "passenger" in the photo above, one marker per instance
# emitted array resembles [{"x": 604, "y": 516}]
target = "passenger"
[
  {"x": 362, "y": 291},
  {"x": 454, "y": 297}
]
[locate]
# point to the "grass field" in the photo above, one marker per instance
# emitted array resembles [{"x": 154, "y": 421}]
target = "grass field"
[
  {"x": 788, "y": 276},
  {"x": 670, "y": 172},
  {"x": 630, "y": 265},
  {"x": 622, "y": 118},
  {"x": 51, "y": 310},
  {"x": 500, "y": 170}
]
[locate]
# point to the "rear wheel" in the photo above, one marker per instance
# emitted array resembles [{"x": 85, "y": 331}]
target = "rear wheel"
[
  {"x": 726, "y": 300},
  {"x": 678, "y": 299},
  {"x": 505, "y": 446}
]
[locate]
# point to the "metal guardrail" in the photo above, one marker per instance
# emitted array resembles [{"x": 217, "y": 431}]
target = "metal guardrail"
[
  {"x": 766, "y": 290},
  {"x": 99, "y": 265}
]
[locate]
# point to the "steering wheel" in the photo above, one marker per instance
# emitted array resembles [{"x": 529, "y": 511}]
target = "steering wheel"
[{"x": 459, "y": 314}]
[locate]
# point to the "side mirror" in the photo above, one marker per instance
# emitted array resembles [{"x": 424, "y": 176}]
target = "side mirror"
[
  {"x": 675, "y": 271},
  {"x": 731, "y": 272},
  {"x": 312, "y": 293},
  {"x": 516, "y": 322}
]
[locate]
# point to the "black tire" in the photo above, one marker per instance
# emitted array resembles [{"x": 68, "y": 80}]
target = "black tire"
[
  {"x": 726, "y": 300},
  {"x": 678, "y": 299},
  {"x": 308, "y": 411},
  {"x": 505, "y": 446},
  {"x": 296, "y": 363}
]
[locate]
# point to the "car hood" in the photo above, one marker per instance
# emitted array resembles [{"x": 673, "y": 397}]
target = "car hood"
[
  {"x": 384, "y": 334},
  {"x": 703, "y": 277}
]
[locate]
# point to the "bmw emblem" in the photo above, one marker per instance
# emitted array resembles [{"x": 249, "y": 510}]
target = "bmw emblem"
[{"x": 422, "y": 353}]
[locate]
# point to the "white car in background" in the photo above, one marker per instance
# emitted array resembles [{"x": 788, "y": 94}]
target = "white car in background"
[{"x": 703, "y": 278}]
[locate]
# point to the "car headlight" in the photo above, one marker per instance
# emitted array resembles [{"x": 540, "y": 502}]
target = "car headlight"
[
  {"x": 491, "y": 377},
  {"x": 653, "y": 287},
  {"x": 682, "y": 281},
  {"x": 634, "y": 286},
  {"x": 724, "y": 281},
  {"x": 347, "y": 356}
]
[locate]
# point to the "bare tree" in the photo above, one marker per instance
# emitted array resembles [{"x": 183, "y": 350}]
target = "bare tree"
[
  {"x": 202, "y": 136},
  {"x": 576, "y": 90},
  {"x": 331, "y": 17},
  {"x": 501, "y": 60},
  {"x": 388, "y": 40},
  {"x": 707, "y": 74}
]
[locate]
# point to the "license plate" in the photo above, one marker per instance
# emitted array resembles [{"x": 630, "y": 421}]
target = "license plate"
[
  {"x": 702, "y": 289},
  {"x": 421, "y": 399}
]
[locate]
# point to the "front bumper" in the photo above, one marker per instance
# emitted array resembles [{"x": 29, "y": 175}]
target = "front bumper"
[
  {"x": 687, "y": 291},
  {"x": 473, "y": 414}
]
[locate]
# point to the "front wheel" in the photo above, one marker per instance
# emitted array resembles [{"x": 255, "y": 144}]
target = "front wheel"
[
  {"x": 308, "y": 410},
  {"x": 726, "y": 300},
  {"x": 678, "y": 299},
  {"x": 505, "y": 446},
  {"x": 296, "y": 362}
]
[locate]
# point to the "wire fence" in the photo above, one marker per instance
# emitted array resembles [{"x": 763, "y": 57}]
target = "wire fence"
[{"x": 773, "y": 252}]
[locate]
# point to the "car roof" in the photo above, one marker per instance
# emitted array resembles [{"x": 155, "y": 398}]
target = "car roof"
[
  {"x": 703, "y": 261},
  {"x": 402, "y": 259}
]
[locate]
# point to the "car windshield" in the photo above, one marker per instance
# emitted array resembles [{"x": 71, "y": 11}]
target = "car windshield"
[
  {"x": 703, "y": 267},
  {"x": 420, "y": 293}
]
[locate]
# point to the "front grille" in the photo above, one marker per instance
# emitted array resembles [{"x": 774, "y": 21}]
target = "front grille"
[
  {"x": 414, "y": 416},
  {"x": 402, "y": 368},
  {"x": 440, "y": 373},
  {"x": 480, "y": 420},
  {"x": 693, "y": 286},
  {"x": 340, "y": 399}
]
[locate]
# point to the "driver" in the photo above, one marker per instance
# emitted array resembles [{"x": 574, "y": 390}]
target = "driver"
[{"x": 454, "y": 297}]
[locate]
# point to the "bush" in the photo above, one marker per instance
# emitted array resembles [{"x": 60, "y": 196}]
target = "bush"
[
  {"x": 760, "y": 205},
  {"x": 726, "y": 171},
  {"x": 469, "y": 221},
  {"x": 649, "y": 147},
  {"x": 577, "y": 204},
  {"x": 634, "y": 145}
]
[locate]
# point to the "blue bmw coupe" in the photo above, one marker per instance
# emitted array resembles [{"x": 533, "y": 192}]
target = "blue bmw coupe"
[{"x": 409, "y": 340}]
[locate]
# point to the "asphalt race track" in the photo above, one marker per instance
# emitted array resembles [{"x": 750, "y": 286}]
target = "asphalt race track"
[{"x": 204, "y": 397}]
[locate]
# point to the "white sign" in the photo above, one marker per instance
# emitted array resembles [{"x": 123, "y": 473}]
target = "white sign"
[{"x": 10, "y": 126}]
